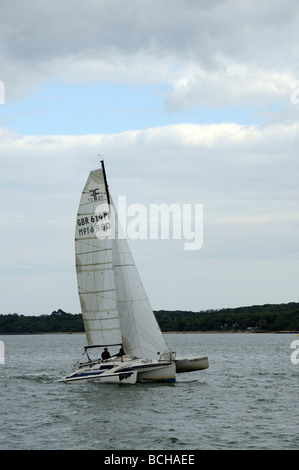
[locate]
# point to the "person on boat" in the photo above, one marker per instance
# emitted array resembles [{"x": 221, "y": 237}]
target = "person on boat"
[
  {"x": 120, "y": 353},
  {"x": 105, "y": 354}
]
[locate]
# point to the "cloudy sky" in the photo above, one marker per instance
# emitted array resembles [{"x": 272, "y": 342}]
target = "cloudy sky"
[{"x": 189, "y": 102}]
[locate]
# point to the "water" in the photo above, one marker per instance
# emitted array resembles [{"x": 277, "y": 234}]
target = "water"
[{"x": 245, "y": 400}]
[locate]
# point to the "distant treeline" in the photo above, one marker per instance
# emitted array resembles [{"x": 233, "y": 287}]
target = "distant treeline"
[
  {"x": 258, "y": 318},
  {"x": 57, "y": 322},
  {"x": 269, "y": 317}
]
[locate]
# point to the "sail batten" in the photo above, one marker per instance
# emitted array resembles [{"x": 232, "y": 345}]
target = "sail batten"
[
  {"x": 103, "y": 263},
  {"x": 94, "y": 292}
]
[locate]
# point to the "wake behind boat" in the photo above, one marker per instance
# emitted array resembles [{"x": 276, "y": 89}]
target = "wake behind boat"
[{"x": 116, "y": 311}]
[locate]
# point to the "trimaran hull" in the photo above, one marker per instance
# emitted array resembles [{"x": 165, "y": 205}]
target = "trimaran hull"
[
  {"x": 124, "y": 370},
  {"x": 191, "y": 364}
]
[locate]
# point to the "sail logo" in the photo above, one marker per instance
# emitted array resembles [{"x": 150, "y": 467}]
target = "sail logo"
[
  {"x": 295, "y": 354},
  {"x": 2, "y": 353},
  {"x": 155, "y": 222},
  {"x": 95, "y": 195},
  {"x": 2, "y": 92}
]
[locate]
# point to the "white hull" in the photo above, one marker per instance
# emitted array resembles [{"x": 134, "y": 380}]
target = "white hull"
[
  {"x": 123, "y": 370},
  {"x": 129, "y": 371},
  {"x": 163, "y": 373},
  {"x": 190, "y": 364}
]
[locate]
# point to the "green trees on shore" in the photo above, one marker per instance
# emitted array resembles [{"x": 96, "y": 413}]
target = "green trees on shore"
[
  {"x": 258, "y": 318},
  {"x": 269, "y": 317},
  {"x": 57, "y": 322}
]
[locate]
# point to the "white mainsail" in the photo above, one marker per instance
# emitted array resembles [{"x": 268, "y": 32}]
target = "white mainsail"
[
  {"x": 114, "y": 304},
  {"x": 95, "y": 267}
]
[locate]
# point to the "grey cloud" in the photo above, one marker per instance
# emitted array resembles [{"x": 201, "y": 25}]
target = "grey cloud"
[{"x": 46, "y": 40}]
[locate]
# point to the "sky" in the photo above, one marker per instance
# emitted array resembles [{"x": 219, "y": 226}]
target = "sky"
[{"x": 191, "y": 102}]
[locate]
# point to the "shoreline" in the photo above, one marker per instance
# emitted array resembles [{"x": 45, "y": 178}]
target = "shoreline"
[
  {"x": 165, "y": 332},
  {"x": 231, "y": 332}
]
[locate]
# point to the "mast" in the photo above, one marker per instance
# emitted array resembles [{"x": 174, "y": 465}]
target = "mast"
[{"x": 105, "y": 181}]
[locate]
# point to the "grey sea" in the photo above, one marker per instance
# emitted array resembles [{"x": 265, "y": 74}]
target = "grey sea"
[{"x": 246, "y": 400}]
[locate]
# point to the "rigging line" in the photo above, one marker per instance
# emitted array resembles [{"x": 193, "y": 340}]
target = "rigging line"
[
  {"x": 90, "y": 292},
  {"x": 92, "y": 251},
  {"x": 116, "y": 327},
  {"x": 92, "y": 237},
  {"x": 85, "y": 214},
  {"x": 98, "y": 310},
  {"x": 92, "y": 242},
  {"x": 91, "y": 245}
]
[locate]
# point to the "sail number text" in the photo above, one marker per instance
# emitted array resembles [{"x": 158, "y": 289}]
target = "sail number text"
[{"x": 94, "y": 224}]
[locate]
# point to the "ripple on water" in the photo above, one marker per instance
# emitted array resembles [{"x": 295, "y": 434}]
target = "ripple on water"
[{"x": 245, "y": 400}]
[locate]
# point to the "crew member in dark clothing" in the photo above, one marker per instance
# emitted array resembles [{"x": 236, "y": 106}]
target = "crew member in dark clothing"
[
  {"x": 105, "y": 354},
  {"x": 120, "y": 353}
]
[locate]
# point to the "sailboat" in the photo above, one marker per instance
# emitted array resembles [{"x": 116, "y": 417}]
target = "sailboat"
[{"x": 116, "y": 311}]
